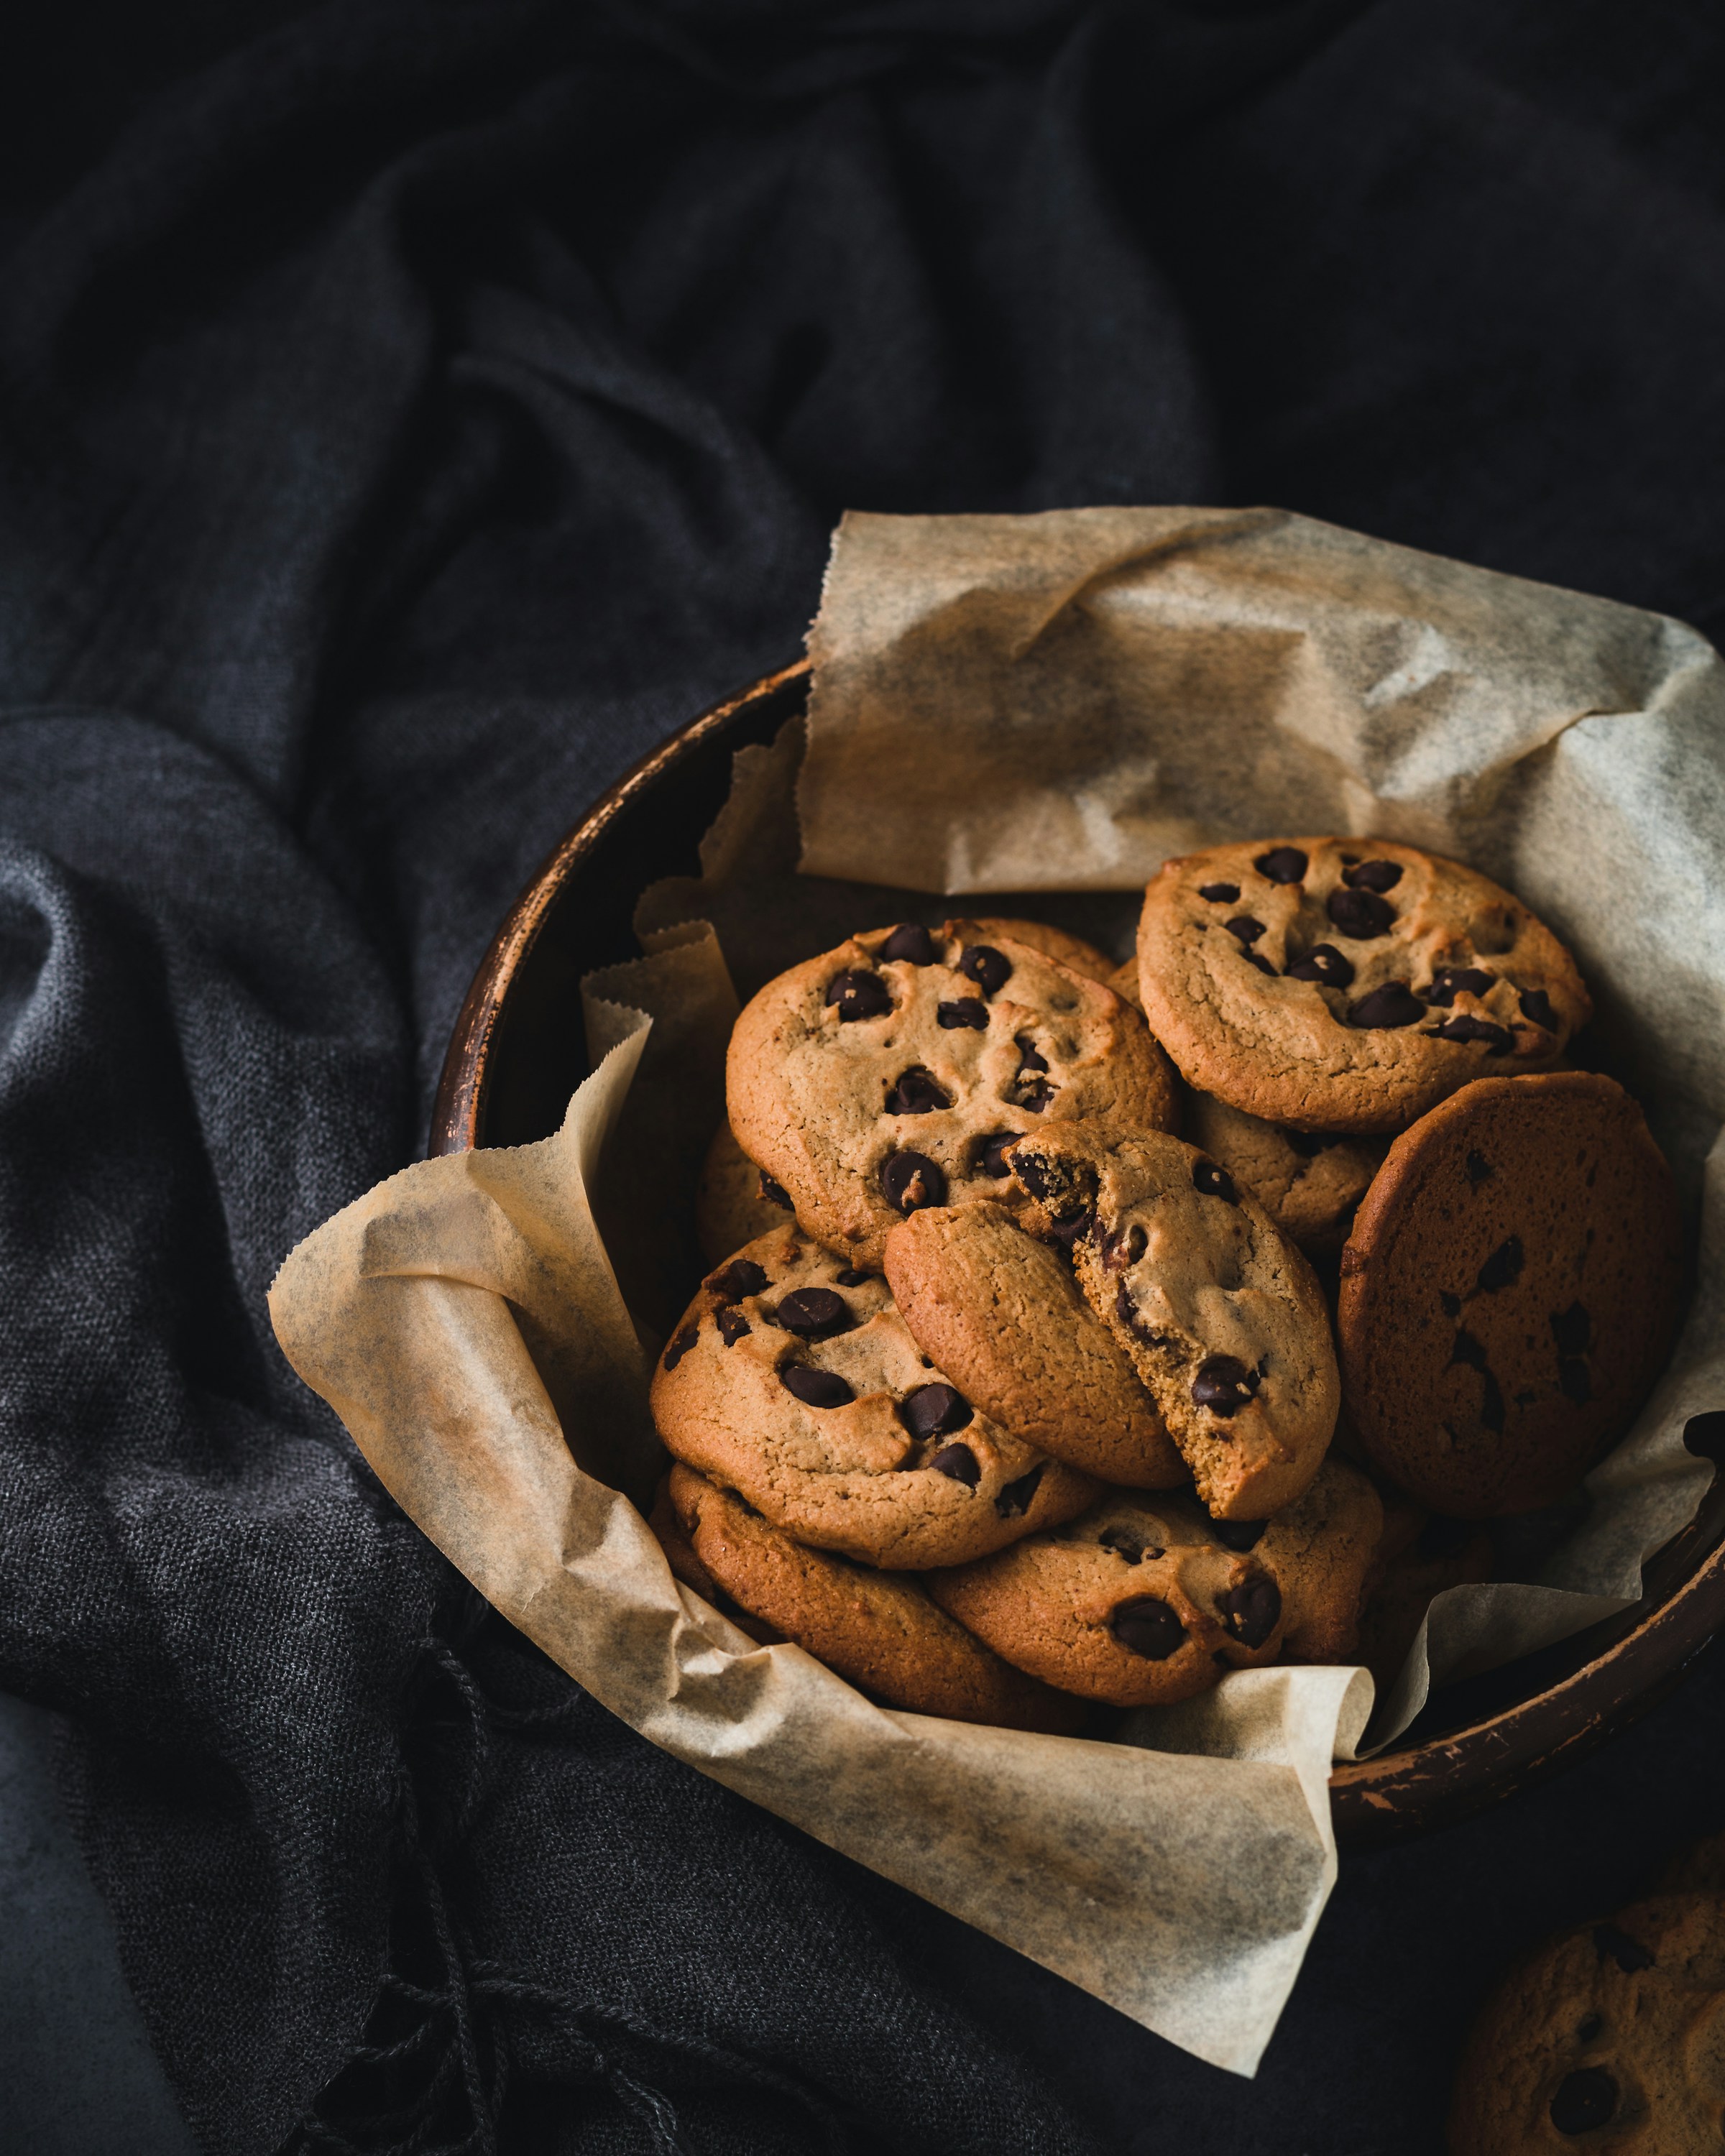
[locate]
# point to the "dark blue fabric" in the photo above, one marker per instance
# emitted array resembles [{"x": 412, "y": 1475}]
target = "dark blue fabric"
[{"x": 408, "y": 413}]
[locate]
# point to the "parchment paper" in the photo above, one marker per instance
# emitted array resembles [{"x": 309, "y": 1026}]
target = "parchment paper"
[{"x": 1048, "y": 705}]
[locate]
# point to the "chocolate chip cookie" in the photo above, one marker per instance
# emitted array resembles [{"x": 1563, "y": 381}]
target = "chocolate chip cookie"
[
  {"x": 877, "y": 1630},
  {"x": 1347, "y": 984},
  {"x": 681, "y": 1556},
  {"x": 1309, "y": 1185},
  {"x": 734, "y": 1202},
  {"x": 1220, "y": 1315},
  {"x": 1509, "y": 1291},
  {"x": 888, "y": 1075},
  {"x": 1612, "y": 2036},
  {"x": 1321, "y": 1551},
  {"x": 1136, "y": 1602},
  {"x": 794, "y": 1381}
]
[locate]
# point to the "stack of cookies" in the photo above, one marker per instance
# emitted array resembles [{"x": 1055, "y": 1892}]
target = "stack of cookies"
[{"x": 1042, "y": 1285}]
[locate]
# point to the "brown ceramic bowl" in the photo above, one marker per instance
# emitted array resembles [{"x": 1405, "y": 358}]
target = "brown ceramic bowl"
[{"x": 518, "y": 1052}]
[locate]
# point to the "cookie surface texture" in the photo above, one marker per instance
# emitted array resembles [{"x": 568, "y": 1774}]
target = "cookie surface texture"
[
  {"x": 681, "y": 1556},
  {"x": 1611, "y": 2037},
  {"x": 877, "y": 1629},
  {"x": 731, "y": 1206},
  {"x": 1136, "y": 1603},
  {"x": 887, "y": 1075},
  {"x": 1347, "y": 984},
  {"x": 794, "y": 1381},
  {"x": 1218, "y": 1313},
  {"x": 1321, "y": 1551},
  {"x": 1309, "y": 1186},
  {"x": 1509, "y": 1291},
  {"x": 1002, "y": 1314}
]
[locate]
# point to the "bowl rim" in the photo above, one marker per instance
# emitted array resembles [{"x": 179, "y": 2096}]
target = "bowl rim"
[{"x": 1435, "y": 1782}]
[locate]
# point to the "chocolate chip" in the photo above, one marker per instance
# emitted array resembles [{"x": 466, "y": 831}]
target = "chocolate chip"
[
  {"x": 1281, "y": 865},
  {"x": 1492, "y": 1404},
  {"x": 1239, "y": 1534},
  {"x": 1503, "y": 1267},
  {"x": 1324, "y": 963},
  {"x": 1263, "y": 965},
  {"x": 989, "y": 968},
  {"x": 814, "y": 1313},
  {"x": 1244, "y": 927},
  {"x": 742, "y": 1276},
  {"x": 989, "y": 1153},
  {"x": 1444, "y": 1537},
  {"x": 1146, "y": 1626},
  {"x": 859, "y": 995},
  {"x": 958, "y": 1464},
  {"x": 1536, "y": 1004},
  {"x": 912, "y": 1180},
  {"x": 909, "y": 943},
  {"x": 917, "y": 1094},
  {"x": 1030, "y": 1057},
  {"x": 1224, "y": 1384},
  {"x": 851, "y": 1278},
  {"x": 970, "y": 1011},
  {"x": 1373, "y": 875},
  {"x": 733, "y": 1325},
  {"x": 1573, "y": 1330},
  {"x": 680, "y": 1347},
  {"x": 1585, "y": 2099},
  {"x": 1067, "y": 1188},
  {"x": 1630, "y": 1955},
  {"x": 775, "y": 1193},
  {"x": 1124, "y": 1544},
  {"x": 1574, "y": 1381},
  {"x": 1495, "y": 1040},
  {"x": 1391, "y": 1005},
  {"x": 1452, "y": 1304},
  {"x": 1451, "y": 981},
  {"x": 1467, "y": 1350},
  {"x": 1015, "y": 1500},
  {"x": 1250, "y": 1611},
  {"x": 1035, "y": 1094},
  {"x": 1360, "y": 915},
  {"x": 1591, "y": 2026},
  {"x": 1214, "y": 1181},
  {"x": 934, "y": 1410},
  {"x": 1479, "y": 1169},
  {"x": 815, "y": 1388},
  {"x": 1219, "y": 894},
  {"x": 1124, "y": 1248}
]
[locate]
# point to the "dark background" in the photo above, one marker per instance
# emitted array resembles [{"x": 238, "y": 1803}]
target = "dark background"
[{"x": 408, "y": 415}]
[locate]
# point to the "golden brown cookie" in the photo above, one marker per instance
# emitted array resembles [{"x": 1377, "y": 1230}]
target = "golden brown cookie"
[
  {"x": 1610, "y": 2037},
  {"x": 794, "y": 1381},
  {"x": 1072, "y": 952},
  {"x": 877, "y": 1630},
  {"x": 1218, "y": 1312},
  {"x": 1321, "y": 1551},
  {"x": 1002, "y": 1315},
  {"x": 1124, "y": 982},
  {"x": 1347, "y": 984},
  {"x": 887, "y": 1075},
  {"x": 681, "y": 1556},
  {"x": 1509, "y": 1291},
  {"x": 1136, "y": 1602},
  {"x": 733, "y": 1201},
  {"x": 1308, "y": 1185}
]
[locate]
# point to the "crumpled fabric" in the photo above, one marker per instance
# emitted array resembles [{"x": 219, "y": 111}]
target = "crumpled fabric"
[{"x": 410, "y": 413}]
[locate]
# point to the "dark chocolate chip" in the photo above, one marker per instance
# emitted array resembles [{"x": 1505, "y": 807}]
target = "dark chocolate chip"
[
  {"x": 680, "y": 1347},
  {"x": 1373, "y": 875},
  {"x": 1495, "y": 1040},
  {"x": 910, "y": 942},
  {"x": 912, "y": 1180},
  {"x": 814, "y": 1313},
  {"x": 733, "y": 1325},
  {"x": 1224, "y": 1384},
  {"x": 1244, "y": 927},
  {"x": 1307, "y": 1144},
  {"x": 1251, "y": 1610},
  {"x": 934, "y": 1410},
  {"x": 1591, "y": 2024},
  {"x": 1124, "y": 1248},
  {"x": 1452, "y": 1304},
  {"x": 1536, "y": 1004},
  {"x": 1123, "y": 1542},
  {"x": 1451, "y": 981},
  {"x": 958, "y": 1464},
  {"x": 1146, "y": 1626},
  {"x": 1630, "y": 1955},
  {"x": 1035, "y": 1094},
  {"x": 1360, "y": 915},
  {"x": 989, "y": 1151},
  {"x": 969, "y": 1011},
  {"x": 1281, "y": 865},
  {"x": 1585, "y": 2099},
  {"x": 859, "y": 995},
  {"x": 1219, "y": 894},
  {"x": 1573, "y": 1330},
  {"x": 1574, "y": 1381},
  {"x": 989, "y": 968},
  {"x": 1214, "y": 1181},
  {"x": 1503, "y": 1267},
  {"x": 1393, "y": 1004},
  {"x": 851, "y": 1278},
  {"x": 815, "y": 1388},
  {"x": 1239, "y": 1534},
  {"x": 1257, "y": 958},
  {"x": 1015, "y": 1500},
  {"x": 1468, "y": 1350},
  {"x": 1492, "y": 1404},
  {"x": 775, "y": 1193},
  {"x": 1068, "y": 1190},
  {"x": 1072, "y": 1228},
  {"x": 1030, "y": 1057},
  {"x": 1323, "y": 963},
  {"x": 917, "y": 1093},
  {"x": 1479, "y": 1169},
  {"x": 1444, "y": 1537},
  {"x": 742, "y": 1276}
]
